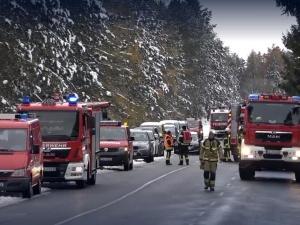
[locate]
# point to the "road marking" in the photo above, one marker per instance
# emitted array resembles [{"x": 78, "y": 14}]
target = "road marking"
[
  {"x": 119, "y": 199},
  {"x": 233, "y": 178},
  {"x": 228, "y": 185},
  {"x": 202, "y": 213},
  {"x": 221, "y": 194},
  {"x": 213, "y": 203}
]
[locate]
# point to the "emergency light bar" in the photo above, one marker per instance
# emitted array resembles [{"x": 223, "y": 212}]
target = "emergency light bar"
[
  {"x": 296, "y": 98},
  {"x": 253, "y": 97},
  {"x": 22, "y": 116},
  {"x": 111, "y": 123},
  {"x": 26, "y": 100},
  {"x": 73, "y": 99}
]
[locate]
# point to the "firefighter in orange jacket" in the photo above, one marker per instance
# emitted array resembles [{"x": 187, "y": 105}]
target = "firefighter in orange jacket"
[
  {"x": 169, "y": 144},
  {"x": 210, "y": 151}
]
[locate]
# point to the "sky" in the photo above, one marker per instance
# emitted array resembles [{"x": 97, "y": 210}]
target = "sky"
[{"x": 246, "y": 25}]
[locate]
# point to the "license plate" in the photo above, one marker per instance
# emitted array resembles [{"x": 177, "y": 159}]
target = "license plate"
[
  {"x": 105, "y": 159},
  {"x": 273, "y": 152},
  {"x": 1, "y": 184},
  {"x": 49, "y": 169}
]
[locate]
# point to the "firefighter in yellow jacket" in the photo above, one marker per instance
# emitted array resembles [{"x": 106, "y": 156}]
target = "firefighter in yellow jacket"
[
  {"x": 169, "y": 144},
  {"x": 211, "y": 152}
]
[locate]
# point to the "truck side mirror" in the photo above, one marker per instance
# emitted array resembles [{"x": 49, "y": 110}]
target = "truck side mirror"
[
  {"x": 92, "y": 122},
  {"x": 35, "y": 149}
]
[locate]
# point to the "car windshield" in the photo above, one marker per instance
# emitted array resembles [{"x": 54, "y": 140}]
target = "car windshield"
[
  {"x": 219, "y": 117},
  {"x": 193, "y": 123},
  {"x": 286, "y": 113},
  {"x": 139, "y": 136},
  {"x": 108, "y": 133},
  {"x": 13, "y": 139},
  {"x": 151, "y": 135},
  {"x": 194, "y": 137},
  {"x": 172, "y": 129},
  {"x": 58, "y": 125}
]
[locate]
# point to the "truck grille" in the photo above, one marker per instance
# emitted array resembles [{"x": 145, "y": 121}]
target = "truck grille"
[
  {"x": 109, "y": 149},
  {"x": 5, "y": 173},
  {"x": 60, "y": 169},
  {"x": 56, "y": 153},
  {"x": 272, "y": 136}
]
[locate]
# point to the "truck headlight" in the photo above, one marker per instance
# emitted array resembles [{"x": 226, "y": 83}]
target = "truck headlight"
[
  {"x": 19, "y": 173},
  {"x": 78, "y": 169},
  {"x": 297, "y": 153},
  {"x": 245, "y": 150},
  {"x": 123, "y": 149}
]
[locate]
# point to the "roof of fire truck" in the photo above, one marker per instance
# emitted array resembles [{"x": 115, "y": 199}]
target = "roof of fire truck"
[
  {"x": 273, "y": 97},
  {"x": 71, "y": 103},
  {"x": 16, "y": 120}
]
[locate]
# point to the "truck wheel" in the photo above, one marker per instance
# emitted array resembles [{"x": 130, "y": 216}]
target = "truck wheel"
[
  {"x": 126, "y": 164},
  {"x": 131, "y": 165},
  {"x": 28, "y": 193},
  {"x": 37, "y": 189},
  {"x": 297, "y": 176},
  {"x": 93, "y": 179},
  {"x": 246, "y": 174}
]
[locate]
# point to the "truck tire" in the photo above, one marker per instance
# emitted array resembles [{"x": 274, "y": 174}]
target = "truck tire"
[
  {"x": 297, "y": 176},
  {"x": 28, "y": 193},
  {"x": 126, "y": 164},
  {"x": 246, "y": 174},
  {"x": 37, "y": 189},
  {"x": 93, "y": 179}
]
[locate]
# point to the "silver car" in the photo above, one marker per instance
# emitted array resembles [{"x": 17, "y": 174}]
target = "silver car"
[
  {"x": 142, "y": 146},
  {"x": 195, "y": 144}
]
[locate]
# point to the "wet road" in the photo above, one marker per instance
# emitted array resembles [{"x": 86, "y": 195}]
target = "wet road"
[{"x": 157, "y": 194}]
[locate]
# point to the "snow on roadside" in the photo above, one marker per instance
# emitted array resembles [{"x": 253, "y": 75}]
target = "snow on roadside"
[{"x": 9, "y": 200}]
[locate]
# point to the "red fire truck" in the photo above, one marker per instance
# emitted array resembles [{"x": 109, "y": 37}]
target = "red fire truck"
[
  {"x": 271, "y": 135},
  {"x": 70, "y": 133},
  {"x": 196, "y": 126},
  {"x": 21, "y": 157},
  {"x": 219, "y": 121},
  {"x": 116, "y": 147}
]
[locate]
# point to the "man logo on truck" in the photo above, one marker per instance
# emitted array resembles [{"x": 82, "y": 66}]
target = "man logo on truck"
[{"x": 273, "y": 136}]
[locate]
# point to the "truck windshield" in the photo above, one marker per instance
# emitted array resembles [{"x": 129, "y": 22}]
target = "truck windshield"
[
  {"x": 13, "y": 139},
  {"x": 58, "y": 125},
  {"x": 107, "y": 133},
  {"x": 219, "y": 117},
  {"x": 274, "y": 113},
  {"x": 193, "y": 123}
]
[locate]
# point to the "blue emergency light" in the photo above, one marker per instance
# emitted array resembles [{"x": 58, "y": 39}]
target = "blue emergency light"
[
  {"x": 253, "y": 97},
  {"x": 73, "y": 99},
  {"x": 296, "y": 98},
  {"x": 26, "y": 100},
  {"x": 24, "y": 116}
]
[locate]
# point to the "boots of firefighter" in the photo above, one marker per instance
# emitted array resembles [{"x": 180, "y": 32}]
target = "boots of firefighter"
[
  {"x": 187, "y": 160},
  {"x": 168, "y": 156},
  {"x": 206, "y": 180},
  {"x": 212, "y": 181},
  {"x": 180, "y": 160}
]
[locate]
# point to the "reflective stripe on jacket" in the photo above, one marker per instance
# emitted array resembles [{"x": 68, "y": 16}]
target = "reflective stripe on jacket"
[{"x": 211, "y": 150}]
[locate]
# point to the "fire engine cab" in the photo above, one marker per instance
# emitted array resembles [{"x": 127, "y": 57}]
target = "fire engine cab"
[
  {"x": 70, "y": 133},
  {"x": 218, "y": 121},
  {"x": 21, "y": 157},
  {"x": 116, "y": 147},
  {"x": 271, "y": 135}
]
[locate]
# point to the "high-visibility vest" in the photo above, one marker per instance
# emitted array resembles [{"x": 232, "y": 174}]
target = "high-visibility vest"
[
  {"x": 210, "y": 149},
  {"x": 166, "y": 138}
]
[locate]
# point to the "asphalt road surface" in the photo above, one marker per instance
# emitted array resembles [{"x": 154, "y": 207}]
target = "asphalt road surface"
[{"x": 165, "y": 195}]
